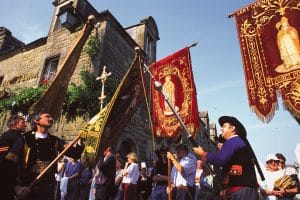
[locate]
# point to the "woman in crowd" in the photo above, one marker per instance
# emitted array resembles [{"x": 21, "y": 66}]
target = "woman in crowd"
[
  {"x": 118, "y": 179},
  {"x": 130, "y": 177}
]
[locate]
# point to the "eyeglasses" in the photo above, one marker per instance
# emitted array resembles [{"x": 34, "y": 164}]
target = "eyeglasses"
[{"x": 273, "y": 161}]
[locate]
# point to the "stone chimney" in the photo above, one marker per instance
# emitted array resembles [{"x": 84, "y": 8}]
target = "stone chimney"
[
  {"x": 146, "y": 35},
  {"x": 7, "y": 41}
]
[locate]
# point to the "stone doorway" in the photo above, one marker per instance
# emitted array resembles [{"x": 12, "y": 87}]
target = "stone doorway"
[{"x": 126, "y": 147}]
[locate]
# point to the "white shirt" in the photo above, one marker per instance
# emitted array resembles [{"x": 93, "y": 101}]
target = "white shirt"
[
  {"x": 40, "y": 135},
  {"x": 271, "y": 177},
  {"x": 198, "y": 175},
  {"x": 133, "y": 174}
]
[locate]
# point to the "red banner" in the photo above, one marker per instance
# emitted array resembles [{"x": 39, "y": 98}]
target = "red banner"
[
  {"x": 269, "y": 40},
  {"x": 175, "y": 74}
]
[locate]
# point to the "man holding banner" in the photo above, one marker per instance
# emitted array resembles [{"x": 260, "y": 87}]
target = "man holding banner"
[
  {"x": 236, "y": 159},
  {"x": 42, "y": 149}
]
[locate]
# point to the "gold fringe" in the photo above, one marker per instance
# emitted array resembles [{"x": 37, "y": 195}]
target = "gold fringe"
[{"x": 266, "y": 119}]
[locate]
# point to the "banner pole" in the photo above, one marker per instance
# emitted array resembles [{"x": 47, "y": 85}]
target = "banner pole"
[{"x": 169, "y": 178}]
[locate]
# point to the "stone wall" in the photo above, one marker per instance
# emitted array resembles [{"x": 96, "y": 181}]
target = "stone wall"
[{"x": 24, "y": 69}]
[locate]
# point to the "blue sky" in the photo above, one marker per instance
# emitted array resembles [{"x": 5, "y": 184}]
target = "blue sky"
[{"x": 216, "y": 60}]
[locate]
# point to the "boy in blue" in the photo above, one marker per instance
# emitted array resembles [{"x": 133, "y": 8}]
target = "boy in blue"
[{"x": 236, "y": 159}]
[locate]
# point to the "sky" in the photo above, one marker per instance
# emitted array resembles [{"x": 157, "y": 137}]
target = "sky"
[{"x": 216, "y": 60}]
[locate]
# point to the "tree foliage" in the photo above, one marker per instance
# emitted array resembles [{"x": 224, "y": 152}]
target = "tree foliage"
[
  {"x": 92, "y": 46},
  {"x": 82, "y": 100},
  {"x": 22, "y": 100}
]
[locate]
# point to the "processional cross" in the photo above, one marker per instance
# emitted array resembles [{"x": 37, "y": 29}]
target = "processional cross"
[{"x": 103, "y": 78}]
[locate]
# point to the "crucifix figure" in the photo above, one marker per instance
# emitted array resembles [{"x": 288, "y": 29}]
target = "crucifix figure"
[{"x": 103, "y": 78}]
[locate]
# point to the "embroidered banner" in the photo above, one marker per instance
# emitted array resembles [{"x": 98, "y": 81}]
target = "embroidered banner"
[
  {"x": 175, "y": 74},
  {"x": 106, "y": 126},
  {"x": 268, "y": 32},
  {"x": 125, "y": 102}
]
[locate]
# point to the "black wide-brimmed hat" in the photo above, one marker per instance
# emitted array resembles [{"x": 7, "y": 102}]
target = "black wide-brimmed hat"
[
  {"x": 182, "y": 146},
  {"x": 164, "y": 149},
  {"x": 240, "y": 129}
]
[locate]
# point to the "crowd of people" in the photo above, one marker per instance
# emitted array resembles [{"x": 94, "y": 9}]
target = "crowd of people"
[{"x": 183, "y": 174}]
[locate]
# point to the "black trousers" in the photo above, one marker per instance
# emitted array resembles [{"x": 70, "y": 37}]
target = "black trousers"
[
  {"x": 184, "y": 193},
  {"x": 245, "y": 193},
  {"x": 104, "y": 192}
]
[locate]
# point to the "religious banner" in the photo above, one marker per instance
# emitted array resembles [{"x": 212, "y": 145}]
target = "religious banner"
[
  {"x": 175, "y": 74},
  {"x": 107, "y": 125},
  {"x": 268, "y": 32}
]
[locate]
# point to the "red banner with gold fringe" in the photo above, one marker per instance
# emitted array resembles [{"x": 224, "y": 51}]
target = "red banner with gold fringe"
[
  {"x": 268, "y": 32},
  {"x": 174, "y": 72}
]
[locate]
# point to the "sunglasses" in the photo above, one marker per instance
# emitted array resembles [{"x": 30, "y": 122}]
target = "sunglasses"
[{"x": 273, "y": 161}]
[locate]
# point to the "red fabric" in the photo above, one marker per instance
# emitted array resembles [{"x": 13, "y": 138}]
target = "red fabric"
[
  {"x": 259, "y": 26},
  {"x": 233, "y": 189},
  {"x": 129, "y": 192},
  {"x": 178, "y": 68}
]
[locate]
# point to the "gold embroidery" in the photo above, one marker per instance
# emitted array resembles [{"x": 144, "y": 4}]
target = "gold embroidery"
[{"x": 12, "y": 157}]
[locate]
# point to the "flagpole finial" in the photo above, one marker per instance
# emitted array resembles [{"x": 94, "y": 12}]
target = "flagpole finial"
[
  {"x": 193, "y": 44},
  {"x": 91, "y": 19},
  {"x": 230, "y": 15},
  {"x": 137, "y": 49}
]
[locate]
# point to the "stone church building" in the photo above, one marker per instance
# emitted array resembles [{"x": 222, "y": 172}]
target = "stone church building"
[{"x": 29, "y": 65}]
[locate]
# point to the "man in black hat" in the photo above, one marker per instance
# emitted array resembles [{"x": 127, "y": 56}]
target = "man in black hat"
[{"x": 236, "y": 159}]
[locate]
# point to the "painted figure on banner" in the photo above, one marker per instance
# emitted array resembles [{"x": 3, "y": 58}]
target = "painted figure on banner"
[
  {"x": 125, "y": 104},
  {"x": 135, "y": 94},
  {"x": 289, "y": 46},
  {"x": 169, "y": 91}
]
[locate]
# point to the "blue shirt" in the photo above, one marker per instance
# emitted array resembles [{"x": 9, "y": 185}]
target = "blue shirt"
[
  {"x": 73, "y": 168},
  {"x": 189, "y": 165},
  {"x": 228, "y": 149}
]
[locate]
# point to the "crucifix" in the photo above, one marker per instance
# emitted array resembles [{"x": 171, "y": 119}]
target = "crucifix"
[{"x": 103, "y": 78}]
